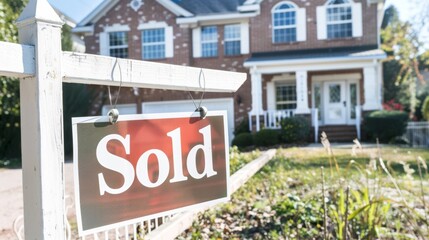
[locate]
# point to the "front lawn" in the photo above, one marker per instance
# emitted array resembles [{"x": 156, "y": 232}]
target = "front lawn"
[{"x": 378, "y": 193}]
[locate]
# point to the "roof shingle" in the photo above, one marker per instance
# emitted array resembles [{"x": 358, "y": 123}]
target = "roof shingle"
[{"x": 200, "y": 7}]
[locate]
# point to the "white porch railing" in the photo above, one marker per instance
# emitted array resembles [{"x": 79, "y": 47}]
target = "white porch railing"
[
  {"x": 418, "y": 134},
  {"x": 272, "y": 118}
]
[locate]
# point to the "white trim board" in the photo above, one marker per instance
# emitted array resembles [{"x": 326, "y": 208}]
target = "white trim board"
[{"x": 212, "y": 104}]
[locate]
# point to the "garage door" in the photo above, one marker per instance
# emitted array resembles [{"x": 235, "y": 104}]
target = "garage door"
[{"x": 188, "y": 106}]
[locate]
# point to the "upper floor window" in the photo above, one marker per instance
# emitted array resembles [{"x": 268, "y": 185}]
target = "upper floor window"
[
  {"x": 339, "y": 19},
  {"x": 118, "y": 44},
  {"x": 284, "y": 17},
  {"x": 232, "y": 40},
  {"x": 209, "y": 46},
  {"x": 153, "y": 43}
]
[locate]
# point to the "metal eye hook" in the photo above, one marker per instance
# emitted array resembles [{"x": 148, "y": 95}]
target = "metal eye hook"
[
  {"x": 113, "y": 115},
  {"x": 203, "y": 111}
]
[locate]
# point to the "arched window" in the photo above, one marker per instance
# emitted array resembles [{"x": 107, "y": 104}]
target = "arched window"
[
  {"x": 339, "y": 19},
  {"x": 284, "y": 17}
]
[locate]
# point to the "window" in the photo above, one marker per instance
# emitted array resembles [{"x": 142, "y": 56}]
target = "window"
[
  {"x": 285, "y": 96},
  {"x": 209, "y": 41},
  {"x": 339, "y": 19},
  {"x": 118, "y": 44},
  {"x": 284, "y": 23},
  {"x": 153, "y": 43},
  {"x": 232, "y": 38}
]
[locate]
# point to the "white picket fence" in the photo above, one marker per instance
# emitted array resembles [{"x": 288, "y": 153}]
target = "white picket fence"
[{"x": 418, "y": 134}]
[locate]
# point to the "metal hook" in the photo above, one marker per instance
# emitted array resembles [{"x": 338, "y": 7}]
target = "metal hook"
[
  {"x": 203, "y": 111},
  {"x": 113, "y": 115}
]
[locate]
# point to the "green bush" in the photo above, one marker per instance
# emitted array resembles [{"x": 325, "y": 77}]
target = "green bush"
[
  {"x": 243, "y": 127},
  {"x": 385, "y": 125},
  {"x": 266, "y": 138},
  {"x": 425, "y": 109},
  {"x": 243, "y": 140},
  {"x": 294, "y": 129}
]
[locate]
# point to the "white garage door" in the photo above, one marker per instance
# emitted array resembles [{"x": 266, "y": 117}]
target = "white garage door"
[{"x": 188, "y": 106}]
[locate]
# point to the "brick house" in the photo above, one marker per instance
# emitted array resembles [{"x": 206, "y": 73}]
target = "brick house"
[{"x": 300, "y": 55}]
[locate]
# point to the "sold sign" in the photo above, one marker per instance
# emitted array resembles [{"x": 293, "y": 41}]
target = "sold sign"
[{"x": 146, "y": 166}]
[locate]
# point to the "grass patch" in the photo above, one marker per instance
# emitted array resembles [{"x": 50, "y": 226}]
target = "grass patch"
[{"x": 373, "y": 194}]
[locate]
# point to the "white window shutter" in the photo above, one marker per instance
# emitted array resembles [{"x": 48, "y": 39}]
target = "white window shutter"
[
  {"x": 301, "y": 25},
  {"x": 271, "y": 96},
  {"x": 357, "y": 19},
  {"x": 104, "y": 43},
  {"x": 321, "y": 23},
  {"x": 244, "y": 41},
  {"x": 196, "y": 42},
  {"x": 169, "y": 42}
]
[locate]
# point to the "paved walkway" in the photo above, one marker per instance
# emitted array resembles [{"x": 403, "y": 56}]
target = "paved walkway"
[{"x": 11, "y": 199}]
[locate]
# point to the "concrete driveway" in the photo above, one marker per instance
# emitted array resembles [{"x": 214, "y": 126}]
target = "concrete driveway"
[{"x": 11, "y": 199}]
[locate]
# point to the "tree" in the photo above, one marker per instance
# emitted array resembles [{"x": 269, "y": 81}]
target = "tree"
[
  {"x": 401, "y": 42},
  {"x": 10, "y": 136},
  {"x": 75, "y": 96}
]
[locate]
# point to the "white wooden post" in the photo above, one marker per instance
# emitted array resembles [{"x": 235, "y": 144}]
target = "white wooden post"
[{"x": 42, "y": 124}]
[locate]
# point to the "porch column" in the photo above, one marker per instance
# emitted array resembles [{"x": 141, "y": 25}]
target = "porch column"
[
  {"x": 371, "y": 88},
  {"x": 301, "y": 93},
  {"x": 256, "y": 80}
]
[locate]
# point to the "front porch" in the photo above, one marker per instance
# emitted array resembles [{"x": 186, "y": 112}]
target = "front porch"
[
  {"x": 341, "y": 133},
  {"x": 332, "y": 88}
]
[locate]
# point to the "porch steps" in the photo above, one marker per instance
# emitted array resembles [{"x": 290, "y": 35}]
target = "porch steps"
[{"x": 339, "y": 133}]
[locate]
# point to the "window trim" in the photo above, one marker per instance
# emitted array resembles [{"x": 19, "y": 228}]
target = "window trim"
[
  {"x": 168, "y": 37},
  {"x": 274, "y": 10},
  {"x": 163, "y": 43},
  {"x": 237, "y": 28},
  {"x": 124, "y": 46},
  {"x": 104, "y": 37},
  {"x": 357, "y": 23},
  {"x": 330, "y": 5},
  {"x": 210, "y": 41}
]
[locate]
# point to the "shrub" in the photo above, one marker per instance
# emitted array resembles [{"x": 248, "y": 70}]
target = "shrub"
[
  {"x": 385, "y": 125},
  {"x": 243, "y": 140},
  {"x": 294, "y": 129},
  {"x": 243, "y": 127},
  {"x": 266, "y": 138},
  {"x": 425, "y": 109}
]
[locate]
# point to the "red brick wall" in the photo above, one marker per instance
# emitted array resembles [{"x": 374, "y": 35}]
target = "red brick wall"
[{"x": 260, "y": 26}]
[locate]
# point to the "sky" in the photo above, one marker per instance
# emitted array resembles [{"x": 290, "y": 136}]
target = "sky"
[{"x": 75, "y": 9}]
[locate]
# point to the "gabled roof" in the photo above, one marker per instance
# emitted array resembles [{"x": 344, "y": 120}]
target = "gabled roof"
[
  {"x": 199, "y": 7},
  {"x": 186, "y": 9},
  {"x": 106, "y": 5}
]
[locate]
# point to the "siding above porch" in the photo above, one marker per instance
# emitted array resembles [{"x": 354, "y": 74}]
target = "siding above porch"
[{"x": 369, "y": 52}]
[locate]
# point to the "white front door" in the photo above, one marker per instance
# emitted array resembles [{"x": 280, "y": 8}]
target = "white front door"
[{"x": 335, "y": 103}]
